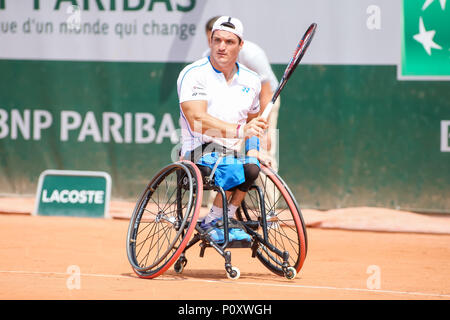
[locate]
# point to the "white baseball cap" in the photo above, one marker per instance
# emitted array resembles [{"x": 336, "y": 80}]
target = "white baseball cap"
[{"x": 230, "y": 24}]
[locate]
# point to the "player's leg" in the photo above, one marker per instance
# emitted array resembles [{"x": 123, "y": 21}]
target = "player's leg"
[
  {"x": 212, "y": 221},
  {"x": 211, "y": 224},
  {"x": 251, "y": 172},
  {"x": 216, "y": 211}
]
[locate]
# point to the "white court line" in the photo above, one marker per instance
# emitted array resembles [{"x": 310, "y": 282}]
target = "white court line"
[
  {"x": 349, "y": 289},
  {"x": 237, "y": 282}
]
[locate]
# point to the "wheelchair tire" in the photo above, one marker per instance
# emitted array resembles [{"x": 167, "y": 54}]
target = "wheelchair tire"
[
  {"x": 286, "y": 228},
  {"x": 164, "y": 219}
]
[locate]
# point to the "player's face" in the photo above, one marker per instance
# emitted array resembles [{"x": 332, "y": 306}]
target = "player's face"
[{"x": 225, "y": 47}]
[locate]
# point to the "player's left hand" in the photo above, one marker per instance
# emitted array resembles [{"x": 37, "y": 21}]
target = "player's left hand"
[{"x": 264, "y": 160}]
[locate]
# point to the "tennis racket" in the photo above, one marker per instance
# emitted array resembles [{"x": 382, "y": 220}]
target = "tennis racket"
[{"x": 295, "y": 60}]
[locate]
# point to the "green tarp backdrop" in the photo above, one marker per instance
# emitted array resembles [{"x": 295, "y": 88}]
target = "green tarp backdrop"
[
  {"x": 369, "y": 140},
  {"x": 353, "y": 129}
]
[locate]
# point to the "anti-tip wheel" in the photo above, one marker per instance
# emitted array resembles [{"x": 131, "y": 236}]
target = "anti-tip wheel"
[
  {"x": 290, "y": 273},
  {"x": 234, "y": 274},
  {"x": 179, "y": 265}
]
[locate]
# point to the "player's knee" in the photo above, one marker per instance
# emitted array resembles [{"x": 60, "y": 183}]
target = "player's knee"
[{"x": 251, "y": 172}]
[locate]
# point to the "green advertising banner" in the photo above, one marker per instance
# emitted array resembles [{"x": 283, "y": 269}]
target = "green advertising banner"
[
  {"x": 349, "y": 135},
  {"x": 91, "y": 86},
  {"x": 73, "y": 193},
  {"x": 425, "y": 40}
]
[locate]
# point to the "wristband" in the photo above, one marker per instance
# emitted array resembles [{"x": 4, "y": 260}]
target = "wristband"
[
  {"x": 240, "y": 131},
  {"x": 252, "y": 143}
]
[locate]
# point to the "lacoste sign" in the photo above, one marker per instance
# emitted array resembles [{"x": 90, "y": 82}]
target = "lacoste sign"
[
  {"x": 73, "y": 193},
  {"x": 425, "y": 40}
]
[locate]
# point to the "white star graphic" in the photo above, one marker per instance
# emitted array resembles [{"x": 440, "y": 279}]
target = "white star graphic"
[
  {"x": 426, "y": 38},
  {"x": 428, "y": 2}
]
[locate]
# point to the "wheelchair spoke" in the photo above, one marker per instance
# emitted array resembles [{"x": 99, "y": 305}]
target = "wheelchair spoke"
[
  {"x": 143, "y": 242},
  {"x": 167, "y": 202},
  {"x": 282, "y": 237},
  {"x": 150, "y": 237},
  {"x": 146, "y": 256},
  {"x": 157, "y": 243},
  {"x": 160, "y": 228}
]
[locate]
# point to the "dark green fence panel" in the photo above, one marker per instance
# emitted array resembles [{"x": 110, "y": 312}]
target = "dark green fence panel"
[
  {"x": 349, "y": 135},
  {"x": 355, "y": 136}
]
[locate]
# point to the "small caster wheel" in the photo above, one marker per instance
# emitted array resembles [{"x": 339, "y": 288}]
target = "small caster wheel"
[
  {"x": 234, "y": 273},
  {"x": 290, "y": 273},
  {"x": 179, "y": 265}
]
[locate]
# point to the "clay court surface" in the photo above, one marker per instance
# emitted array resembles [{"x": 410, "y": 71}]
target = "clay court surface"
[{"x": 359, "y": 253}]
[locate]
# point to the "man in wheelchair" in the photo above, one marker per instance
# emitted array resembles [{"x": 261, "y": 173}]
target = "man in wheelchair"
[{"x": 219, "y": 109}]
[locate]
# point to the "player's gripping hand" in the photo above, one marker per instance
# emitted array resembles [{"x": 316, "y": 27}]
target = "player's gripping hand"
[{"x": 255, "y": 127}]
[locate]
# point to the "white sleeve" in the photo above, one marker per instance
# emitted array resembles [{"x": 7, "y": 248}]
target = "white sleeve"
[{"x": 191, "y": 86}]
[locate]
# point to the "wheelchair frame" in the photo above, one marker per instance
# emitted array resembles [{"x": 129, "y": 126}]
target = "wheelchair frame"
[{"x": 190, "y": 180}]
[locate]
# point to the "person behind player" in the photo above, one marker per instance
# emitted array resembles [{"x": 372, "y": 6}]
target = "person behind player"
[
  {"x": 253, "y": 57},
  {"x": 219, "y": 103}
]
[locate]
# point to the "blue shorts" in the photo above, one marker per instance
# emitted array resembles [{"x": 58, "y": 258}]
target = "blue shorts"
[{"x": 230, "y": 171}]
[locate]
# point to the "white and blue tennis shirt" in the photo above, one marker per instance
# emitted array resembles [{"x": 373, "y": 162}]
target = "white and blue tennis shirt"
[{"x": 231, "y": 102}]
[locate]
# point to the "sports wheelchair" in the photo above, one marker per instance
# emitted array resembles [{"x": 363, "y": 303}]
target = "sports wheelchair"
[{"x": 164, "y": 223}]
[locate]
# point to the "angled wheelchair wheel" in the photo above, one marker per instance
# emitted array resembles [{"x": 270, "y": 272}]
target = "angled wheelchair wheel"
[
  {"x": 164, "y": 219},
  {"x": 285, "y": 227}
]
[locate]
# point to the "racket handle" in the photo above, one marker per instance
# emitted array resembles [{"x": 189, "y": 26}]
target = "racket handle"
[{"x": 267, "y": 110}]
